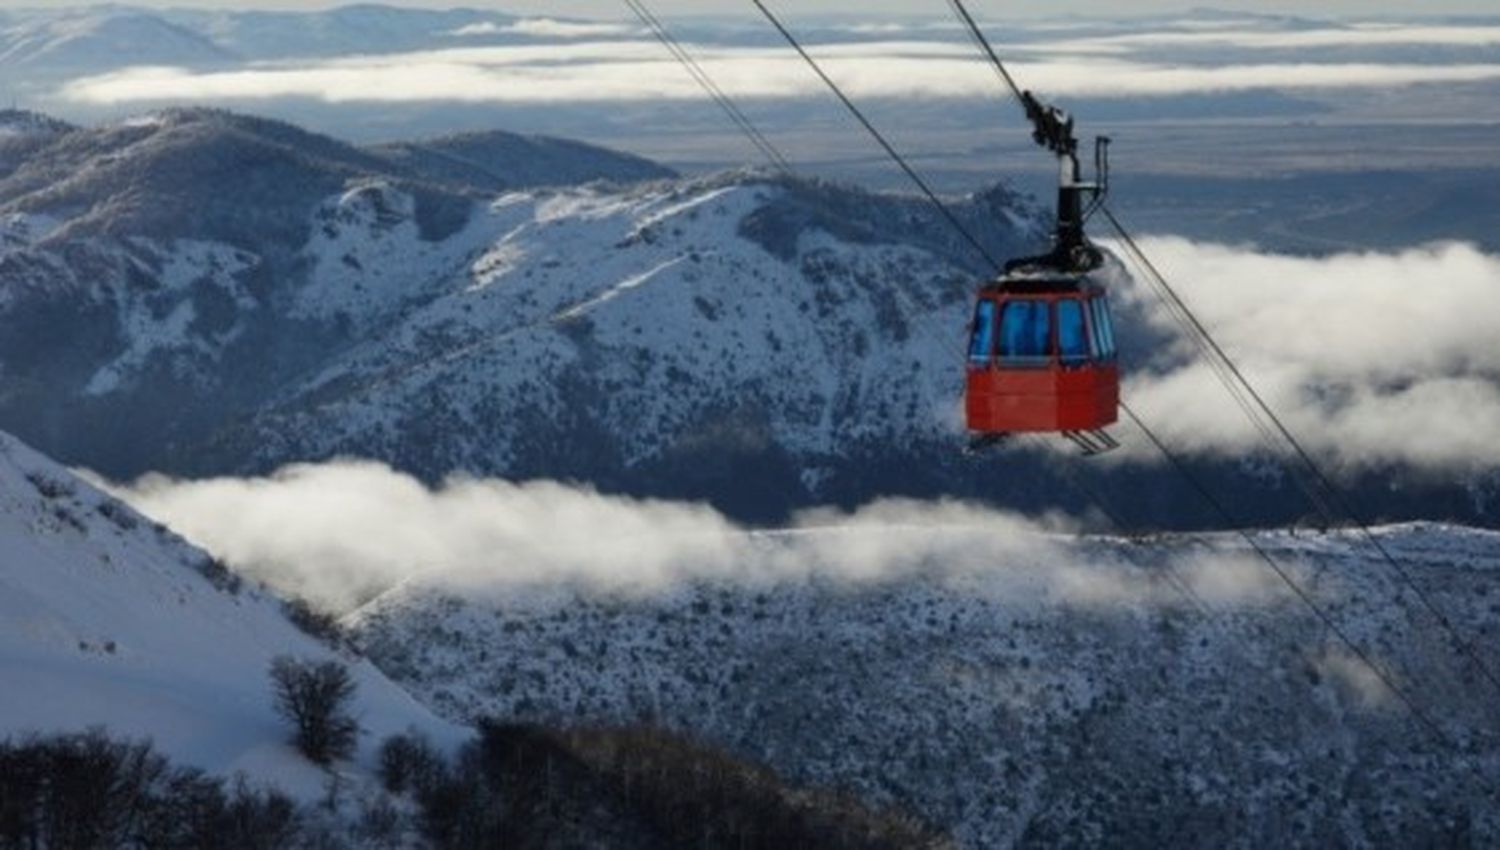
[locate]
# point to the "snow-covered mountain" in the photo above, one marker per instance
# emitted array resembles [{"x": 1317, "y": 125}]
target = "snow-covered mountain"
[
  {"x": 154, "y": 269},
  {"x": 1062, "y": 693},
  {"x": 18, "y": 124},
  {"x": 108, "y": 619},
  {"x": 41, "y": 47},
  {"x": 111, "y": 624},
  {"x": 211, "y": 293},
  {"x": 736, "y": 337},
  {"x": 85, "y": 40},
  {"x": 197, "y": 292},
  {"x": 495, "y": 160},
  {"x": 41, "y": 44},
  {"x": 23, "y": 133}
]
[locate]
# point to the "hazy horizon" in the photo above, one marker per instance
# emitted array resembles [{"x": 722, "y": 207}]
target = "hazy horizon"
[{"x": 612, "y": 9}]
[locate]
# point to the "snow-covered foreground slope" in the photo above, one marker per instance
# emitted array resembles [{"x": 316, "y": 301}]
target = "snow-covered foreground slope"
[
  {"x": 108, "y": 619},
  {"x": 1019, "y": 688}
]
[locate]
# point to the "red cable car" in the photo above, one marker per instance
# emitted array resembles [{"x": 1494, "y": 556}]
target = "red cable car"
[
  {"x": 1042, "y": 359},
  {"x": 1042, "y": 345}
]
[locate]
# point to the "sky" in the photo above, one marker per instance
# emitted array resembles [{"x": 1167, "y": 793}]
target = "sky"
[{"x": 987, "y": 8}]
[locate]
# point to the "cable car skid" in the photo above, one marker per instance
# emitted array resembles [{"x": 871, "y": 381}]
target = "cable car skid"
[
  {"x": 1095, "y": 442},
  {"x": 1092, "y": 443}
]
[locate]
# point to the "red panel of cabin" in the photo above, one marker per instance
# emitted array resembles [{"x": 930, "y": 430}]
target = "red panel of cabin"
[{"x": 1045, "y": 398}]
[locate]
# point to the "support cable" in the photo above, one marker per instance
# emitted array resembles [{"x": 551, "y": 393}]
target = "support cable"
[
  {"x": 1199, "y": 331},
  {"x": 1331, "y": 494},
  {"x": 983, "y": 43},
  {"x": 1297, "y": 590},
  {"x": 879, "y": 137},
  {"x": 736, "y": 115},
  {"x": 1224, "y": 370},
  {"x": 1091, "y": 494},
  {"x": 768, "y": 149}
]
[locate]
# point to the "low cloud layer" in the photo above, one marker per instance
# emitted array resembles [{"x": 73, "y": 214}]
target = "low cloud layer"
[
  {"x": 341, "y": 533},
  {"x": 637, "y": 70},
  {"x": 547, "y": 28},
  {"x": 1358, "y": 35},
  {"x": 1370, "y": 358}
]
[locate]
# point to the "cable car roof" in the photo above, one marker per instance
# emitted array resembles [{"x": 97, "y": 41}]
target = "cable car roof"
[{"x": 1035, "y": 279}]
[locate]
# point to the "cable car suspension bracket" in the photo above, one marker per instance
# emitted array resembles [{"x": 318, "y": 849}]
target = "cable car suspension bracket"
[{"x": 1072, "y": 253}]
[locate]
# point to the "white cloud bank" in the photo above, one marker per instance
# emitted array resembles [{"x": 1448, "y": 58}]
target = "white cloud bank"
[
  {"x": 547, "y": 28},
  {"x": 639, "y": 71},
  {"x": 342, "y": 532},
  {"x": 1370, "y": 358},
  {"x": 1359, "y": 35}
]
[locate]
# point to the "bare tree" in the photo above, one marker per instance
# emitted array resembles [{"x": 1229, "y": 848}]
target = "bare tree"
[
  {"x": 409, "y": 764},
  {"x": 314, "y": 697},
  {"x": 90, "y": 791}
]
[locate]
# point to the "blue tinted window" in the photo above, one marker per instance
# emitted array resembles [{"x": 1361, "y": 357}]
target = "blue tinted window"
[
  {"x": 982, "y": 339},
  {"x": 1096, "y": 339},
  {"x": 1025, "y": 330},
  {"x": 1096, "y": 321},
  {"x": 1072, "y": 335},
  {"x": 1106, "y": 327}
]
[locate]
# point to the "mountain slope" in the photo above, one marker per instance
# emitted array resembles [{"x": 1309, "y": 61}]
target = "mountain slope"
[
  {"x": 108, "y": 619},
  {"x": 24, "y": 133},
  {"x": 92, "y": 40},
  {"x": 152, "y": 272},
  {"x": 662, "y": 340},
  {"x": 495, "y": 160},
  {"x": 21, "y": 124},
  {"x": 223, "y": 293},
  {"x": 1021, "y": 690}
]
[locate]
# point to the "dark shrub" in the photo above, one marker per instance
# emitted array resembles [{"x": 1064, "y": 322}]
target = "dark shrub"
[
  {"x": 88, "y": 791},
  {"x": 314, "y": 623},
  {"x": 314, "y": 697},
  {"x": 409, "y": 764}
]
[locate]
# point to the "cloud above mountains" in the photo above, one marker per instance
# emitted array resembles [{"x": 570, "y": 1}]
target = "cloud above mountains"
[
  {"x": 1371, "y": 358},
  {"x": 584, "y": 71},
  {"x": 547, "y": 28},
  {"x": 1355, "y": 36},
  {"x": 343, "y": 532}
]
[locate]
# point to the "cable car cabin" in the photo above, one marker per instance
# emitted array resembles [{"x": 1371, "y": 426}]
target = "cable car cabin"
[{"x": 1042, "y": 359}]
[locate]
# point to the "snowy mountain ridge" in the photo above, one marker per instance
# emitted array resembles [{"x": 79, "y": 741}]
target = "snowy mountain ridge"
[
  {"x": 335, "y": 300},
  {"x": 179, "y": 262},
  {"x": 80, "y": 39},
  {"x": 533, "y": 314},
  {"x": 1022, "y": 692},
  {"x": 21, "y": 123}
]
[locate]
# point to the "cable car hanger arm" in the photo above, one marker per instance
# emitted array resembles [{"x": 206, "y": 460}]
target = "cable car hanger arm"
[{"x": 1052, "y": 128}]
